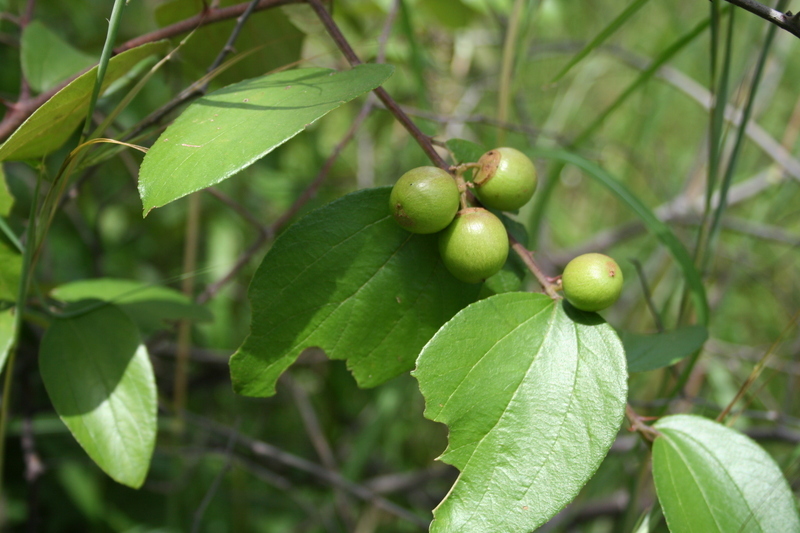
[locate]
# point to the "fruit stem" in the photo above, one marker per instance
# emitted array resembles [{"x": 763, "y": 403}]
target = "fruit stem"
[
  {"x": 462, "y": 185},
  {"x": 527, "y": 257}
]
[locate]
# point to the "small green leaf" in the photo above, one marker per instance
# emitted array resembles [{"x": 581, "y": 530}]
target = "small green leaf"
[
  {"x": 10, "y": 273},
  {"x": 148, "y": 305},
  {"x": 710, "y": 478},
  {"x": 533, "y": 394},
  {"x": 649, "y": 352},
  {"x": 465, "y": 151},
  {"x": 53, "y": 123},
  {"x": 228, "y": 130},
  {"x": 6, "y": 335},
  {"x": 348, "y": 279},
  {"x": 99, "y": 378},
  {"x": 47, "y": 59}
]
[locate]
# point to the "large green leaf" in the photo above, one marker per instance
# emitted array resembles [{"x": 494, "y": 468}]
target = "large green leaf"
[
  {"x": 649, "y": 352},
  {"x": 533, "y": 393},
  {"x": 148, "y": 305},
  {"x": 101, "y": 383},
  {"x": 348, "y": 279},
  {"x": 710, "y": 478},
  {"x": 229, "y": 129},
  {"x": 10, "y": 273},
  {"x": 47, "y": 59},
  {"x": 52, "y": 124}
]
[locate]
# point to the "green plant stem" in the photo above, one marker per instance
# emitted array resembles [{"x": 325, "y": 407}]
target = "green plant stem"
[
  {"x": 506, "y": 70},
  {"x": 185, "y": 326},
  {"x": 105, "y": 57},
  {"x": 22, "y": 296}
]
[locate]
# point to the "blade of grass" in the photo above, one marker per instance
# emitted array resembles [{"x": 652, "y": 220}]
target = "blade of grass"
[
  {"x": 601, "y": 37},
  {"x": 543, "y": 195},
  {"x": 656, "y": 226},
  {"x": 506, "y": 70},
  {"x": 105, "y": 57},
  {"x": 740, "y": 133}
]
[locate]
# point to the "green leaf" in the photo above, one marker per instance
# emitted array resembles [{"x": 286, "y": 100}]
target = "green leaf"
[
  {"x": 649, "y": 352},
  {"x": 226, "y": 131},
  {"x": 656, "y": 226},
  {"x": 47, "y": 59},
  {"x": 710, "y": 478},
  {"x": 348, "y": 279},
  {"x": 148, "y": 305},
  {"x": 10, "y": 273},
  {"x": 465, "y": 151},
  {"x": 53, "y": 123},
  {"x": 6, "y": 335},
  {"x": 533, "y": 394},
  {"x": 99, "y": 378}
]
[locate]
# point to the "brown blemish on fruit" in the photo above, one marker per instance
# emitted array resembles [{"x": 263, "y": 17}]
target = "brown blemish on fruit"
[
  {"x": 612, "y": 269},
  {"x": 488, "y": 167}
]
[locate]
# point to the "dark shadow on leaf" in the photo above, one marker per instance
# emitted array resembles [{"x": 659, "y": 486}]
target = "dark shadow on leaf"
[{"x": 582, "y": 317}]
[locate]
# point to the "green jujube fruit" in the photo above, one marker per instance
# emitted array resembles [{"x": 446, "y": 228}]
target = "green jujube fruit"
[
  {"x": 474, "y": 246},
  {"x": 506, "y": 179},
  {"x": 424, "y": 200},
  {"x": 592, "y": 282}
]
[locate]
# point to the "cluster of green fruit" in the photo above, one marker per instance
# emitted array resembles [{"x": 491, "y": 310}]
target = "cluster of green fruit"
[{"x": 473, "y": 242}]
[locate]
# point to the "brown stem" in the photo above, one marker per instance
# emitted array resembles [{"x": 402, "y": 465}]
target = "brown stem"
[
  {"x": 333, "y": 30},
  {"x": 527, "y": 257},
  {"x": 637, "y": 424}
]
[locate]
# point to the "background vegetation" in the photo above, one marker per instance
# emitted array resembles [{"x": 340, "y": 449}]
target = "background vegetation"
[{"x": 324, "y": 455}]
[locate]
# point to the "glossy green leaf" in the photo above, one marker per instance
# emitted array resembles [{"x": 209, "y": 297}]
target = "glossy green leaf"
[
  {"x": 47, "y": 59},
  {"x": 53, "y": 123},
  {"x": 712, "y": 479},
  {"x": 348, "y": 279},
  {"x": 99, "y": 378},
  {"x": 10, "y": 273},
  {"x": 148, "y": 305},
  {"x": 226, "y": 131},
  {"x": 6, "y": 334},
  {"x": 656, "y": 226},
  {"x": 533, "y": 393},
  {"x": 649, "y": 352}
]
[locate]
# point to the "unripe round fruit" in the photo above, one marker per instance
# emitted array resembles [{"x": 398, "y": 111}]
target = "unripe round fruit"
[
  {"x": 474, "y": 246},
  {"x": 506, "y": 179},
  {"x": 592, "y": 282},
  {"x": 424, "y": 200}
]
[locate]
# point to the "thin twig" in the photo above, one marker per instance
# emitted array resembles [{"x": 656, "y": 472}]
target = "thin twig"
[
  {"x": 637, "y": 424},
  {"x": 317, "y": 436},
  {"x": 785, "y": 21},
  {"x": 527, "y": 257},
  {"x": 333, "y": 30},
  {"x": 268, "y": 451},
  {"x": 648, "y": 298},
  {"x": 212, "y": 490}
]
